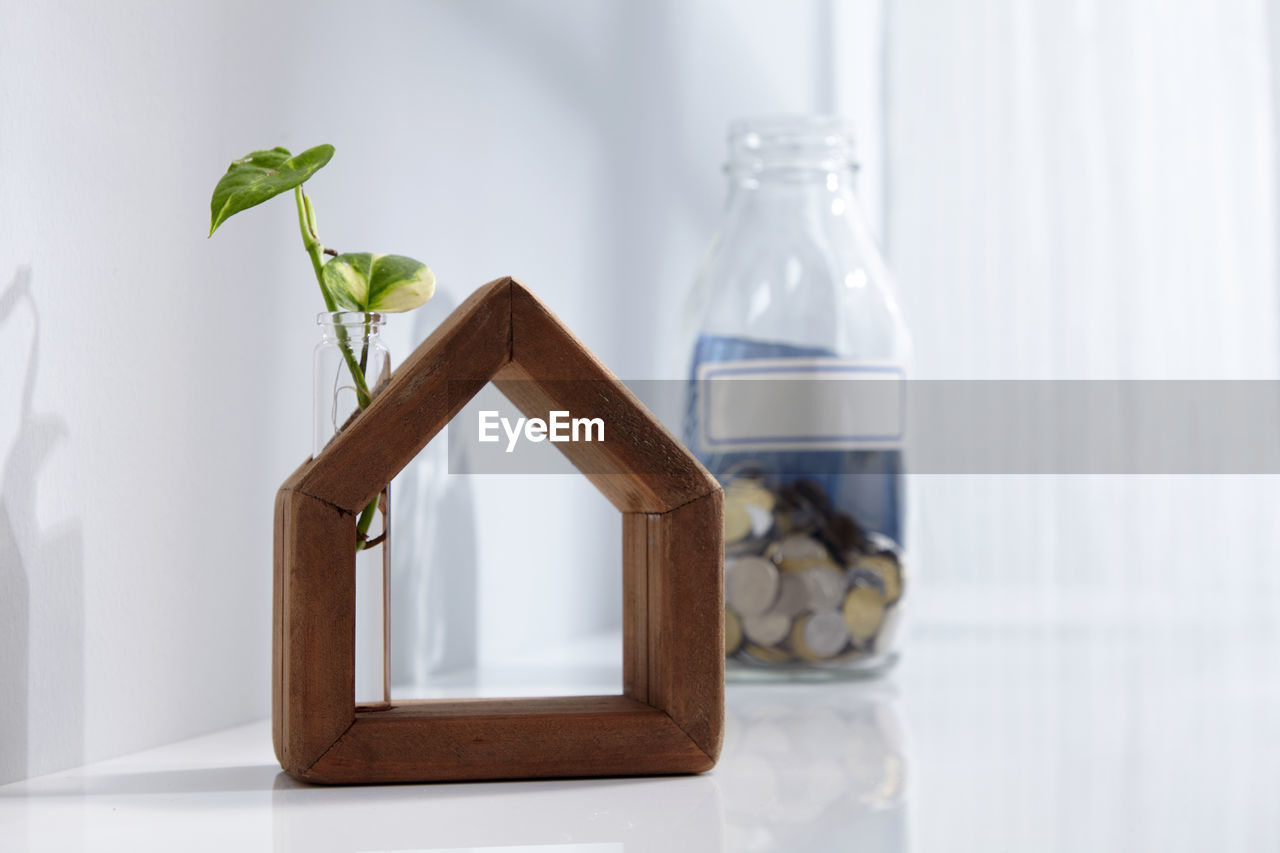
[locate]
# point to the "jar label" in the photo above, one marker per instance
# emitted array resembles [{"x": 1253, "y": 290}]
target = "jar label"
[{"x": 777, "y": 404}]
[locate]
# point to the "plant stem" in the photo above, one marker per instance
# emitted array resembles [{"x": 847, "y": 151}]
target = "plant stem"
[
  {"x": 364, "y": 345},
  {"x": 315, "y": 249},
  {"x": 363, "y": 523}
]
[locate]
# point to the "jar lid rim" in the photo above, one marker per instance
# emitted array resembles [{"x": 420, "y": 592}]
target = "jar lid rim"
[
  {"x": 350, "y": 318},
  {"x": 823, "y": 142}
]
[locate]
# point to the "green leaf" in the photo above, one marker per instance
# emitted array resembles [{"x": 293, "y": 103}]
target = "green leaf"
[
  {"x": 253, "y": 179},
  {"x": 360, "y": 281}
]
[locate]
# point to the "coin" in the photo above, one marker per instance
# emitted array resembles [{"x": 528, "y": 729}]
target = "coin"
[
  {"x": 793, "y": 595},
  {"x": 884, "y": 566},
  {"x": 824, "y": 588},
  {"x": 737, "y": 522},
  {"x": 804, "y": 580},
  {"x": 750, "y": 505},
  {"x": 863, "y": 612},
  {"x": 732, "y": 632},
  {"x": 858, "y": 576},
  {"x": 751, "y": 546},
  {"x": 766, "y": 629},
  {"x": 767, "y": 655},
  {"x": 818, "y": 636},
  {"x": 751, "y": 584},
  {"x": 751, "y": 492},
  {"x": 806, "y": 564},
  {"x": 797, "y": 552}
]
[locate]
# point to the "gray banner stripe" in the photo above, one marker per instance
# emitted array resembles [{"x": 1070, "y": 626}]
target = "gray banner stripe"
[{"x": 979, "y": 427}]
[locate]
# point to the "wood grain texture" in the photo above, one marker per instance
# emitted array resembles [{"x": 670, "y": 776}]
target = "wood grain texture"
[
  {"x": 686, "y": 618},
  {"x": 635, "y": 606},
  {"x": 315, "y": 628},
  {"x": 640, "y": 466},
  {"x": 424, "y": 394},
  {"x": 509, "y": 739}
]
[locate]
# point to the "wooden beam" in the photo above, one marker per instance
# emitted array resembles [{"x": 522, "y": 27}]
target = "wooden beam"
[
  {"x": 640, "y": 466},
  {"x": 424, "y": 394},
  {"x": 635, "y": 606},
  {"x": 315, "y": 628},
  {"x": 509, "y": 739},
  {"x": 686, "y": 618}
]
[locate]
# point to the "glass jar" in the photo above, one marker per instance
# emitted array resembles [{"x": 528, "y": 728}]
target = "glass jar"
[
  {"x": 792, "y": 313},
  {"x": 350, "y": 365}
]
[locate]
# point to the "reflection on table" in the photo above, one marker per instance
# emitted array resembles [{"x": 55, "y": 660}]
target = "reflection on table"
[{"x": 814, "y": 767}]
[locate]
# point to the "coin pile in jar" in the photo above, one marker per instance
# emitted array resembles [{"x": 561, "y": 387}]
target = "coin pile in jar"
[{"x": 804, "y": 583}]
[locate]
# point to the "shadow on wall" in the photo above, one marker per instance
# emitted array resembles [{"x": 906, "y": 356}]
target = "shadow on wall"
[
  {"x": 34, "y": 565},
  {"x": 433, "y": 556}
]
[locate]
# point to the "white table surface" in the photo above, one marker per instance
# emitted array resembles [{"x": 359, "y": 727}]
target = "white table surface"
[{"x": 1071, "y": 740}]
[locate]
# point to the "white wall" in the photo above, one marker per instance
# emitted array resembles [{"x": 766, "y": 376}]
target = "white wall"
[
  {"x": 140, "y": 463},
  {"x": 158, "y": 383}
]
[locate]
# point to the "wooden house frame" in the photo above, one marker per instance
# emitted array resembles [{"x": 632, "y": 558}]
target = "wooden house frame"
[{"x": 670, "y": 715}]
